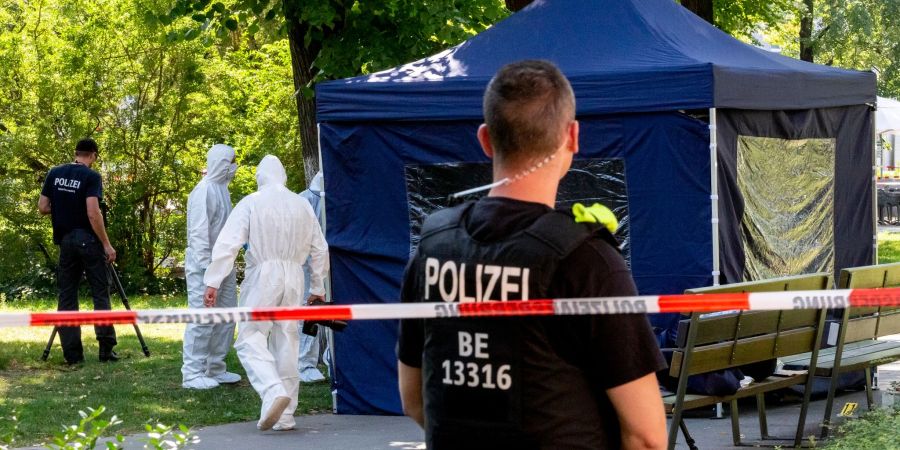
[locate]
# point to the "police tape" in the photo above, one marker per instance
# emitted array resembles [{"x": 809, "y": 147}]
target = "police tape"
[{"x": 764, "y": 301}]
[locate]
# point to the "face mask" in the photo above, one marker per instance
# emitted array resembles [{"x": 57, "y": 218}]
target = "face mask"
[{"x": 230, "y": 171}]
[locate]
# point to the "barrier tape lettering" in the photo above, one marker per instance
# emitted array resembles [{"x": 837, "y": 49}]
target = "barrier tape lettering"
[{"x": 764, "y": 301}]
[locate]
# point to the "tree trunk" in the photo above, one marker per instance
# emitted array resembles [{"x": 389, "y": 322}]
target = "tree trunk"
[
  {"x": 515, "y": 5},
  {"x": 301, "y": 65},
  {"x": 806, "y": 29},
  {"x": 702, "y": 8}
]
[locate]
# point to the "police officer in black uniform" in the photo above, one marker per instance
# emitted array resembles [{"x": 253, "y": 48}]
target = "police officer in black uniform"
[
  {"x": 71, "y": 195},
  {"x": 585, "y": 382}
]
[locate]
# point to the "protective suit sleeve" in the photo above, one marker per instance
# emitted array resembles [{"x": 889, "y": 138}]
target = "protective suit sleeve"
[
  {"x": 198, "y": 230},
  {"x": 318, "y": 255},
  {"x": 231, "y": 239}
]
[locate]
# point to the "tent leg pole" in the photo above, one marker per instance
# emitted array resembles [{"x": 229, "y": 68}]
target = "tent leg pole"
[
  {"x": 329, "y": 336},
  {"x": 875, "y": 151},
  {"x": 714, "y": 193}
]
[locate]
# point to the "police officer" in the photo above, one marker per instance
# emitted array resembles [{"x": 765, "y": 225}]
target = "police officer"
[
  {"x": 526, "y": 383},
  {"x": 71, "y": 195}
]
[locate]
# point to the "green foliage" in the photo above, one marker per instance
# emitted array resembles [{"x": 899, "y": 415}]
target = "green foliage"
[
  {"x": 165, "y": 437},
  {"x": 876, "y": 430},
  {"x": 91, "y": 427},
  {"x": 155, "y": 98},
  {"x": 858, "y": 34},
  {"x": 347, "y": 37},
  {"x": 85, "y": 434},
  {"x": 742, "y": 18}
]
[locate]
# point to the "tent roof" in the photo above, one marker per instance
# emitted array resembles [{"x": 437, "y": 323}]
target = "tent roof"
[
  {"x": 620, "y": 55},
  {"x": 887, "y": 118}
]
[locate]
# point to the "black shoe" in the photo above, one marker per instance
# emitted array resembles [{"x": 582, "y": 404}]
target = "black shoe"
[
  {"x": 74, "y": 362},
  {"x": 110, "y": 356}
]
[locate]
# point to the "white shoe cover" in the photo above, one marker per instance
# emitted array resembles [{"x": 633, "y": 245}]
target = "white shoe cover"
[
  {"x": 274, "y": 413},
  {"x": 226, "y": 378},
  {"x": 310, "y": 375},
  {"x": 200, "y": 382}
]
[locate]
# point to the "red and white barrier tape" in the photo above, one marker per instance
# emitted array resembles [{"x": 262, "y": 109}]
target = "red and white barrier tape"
[{"x": 765, "y": 301}]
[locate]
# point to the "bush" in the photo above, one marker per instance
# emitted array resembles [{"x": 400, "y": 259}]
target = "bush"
[
  {"x": 91, "y": 427},
  {"x": 876, "y": 430}
]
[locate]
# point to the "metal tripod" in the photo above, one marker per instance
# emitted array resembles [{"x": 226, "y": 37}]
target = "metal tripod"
[{"x": 112, "y": 279}]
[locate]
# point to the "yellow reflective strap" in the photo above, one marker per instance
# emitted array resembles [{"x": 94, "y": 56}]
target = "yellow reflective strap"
[{"x": 596, "y": 213}]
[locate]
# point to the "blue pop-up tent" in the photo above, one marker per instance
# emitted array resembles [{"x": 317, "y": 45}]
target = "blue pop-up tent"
[{"x": 651, "y": 80}]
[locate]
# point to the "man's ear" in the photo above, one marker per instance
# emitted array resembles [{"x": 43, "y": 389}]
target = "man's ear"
[
  {"x": 572, "y": 136},
  {"x": 484, "y": 139}
]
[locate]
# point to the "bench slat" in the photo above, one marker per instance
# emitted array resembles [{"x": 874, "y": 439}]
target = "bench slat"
[
  {"x": 750, "y": 350},
  {"x": 721, "y": 328},
  {"x": 692, "y": 401},
  {"x": 856, "y": 355}
]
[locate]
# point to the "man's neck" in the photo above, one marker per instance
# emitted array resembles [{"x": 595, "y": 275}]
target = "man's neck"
[
  {"x": 539, "y": 186},
  {"x": 82, "y": 161}
]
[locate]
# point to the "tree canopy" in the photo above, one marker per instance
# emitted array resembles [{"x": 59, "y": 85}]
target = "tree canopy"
[{"x": 157, "y": 82}]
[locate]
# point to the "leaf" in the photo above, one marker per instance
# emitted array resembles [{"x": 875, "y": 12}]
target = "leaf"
[
  {"x": 231, "y": 24},
  {"x": 199, "y": 17}
]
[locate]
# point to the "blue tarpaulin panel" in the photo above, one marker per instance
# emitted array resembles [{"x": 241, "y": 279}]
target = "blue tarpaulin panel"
[
  {"x": 667, "y": 172},
  {"x": 632, "y": 64}
]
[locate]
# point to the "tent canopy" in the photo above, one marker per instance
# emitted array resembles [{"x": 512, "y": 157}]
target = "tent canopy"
[
  {"x": 620, "y": 55},
  {"x": 887, "y": 118}
]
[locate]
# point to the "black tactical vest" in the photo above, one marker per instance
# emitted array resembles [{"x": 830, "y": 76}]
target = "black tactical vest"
[{"x": 486, "y": 379}]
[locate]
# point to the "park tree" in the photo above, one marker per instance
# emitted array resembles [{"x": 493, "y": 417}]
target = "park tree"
[
  {"x": 153, "y": 98},
  {"x": 332, "y": 39}
]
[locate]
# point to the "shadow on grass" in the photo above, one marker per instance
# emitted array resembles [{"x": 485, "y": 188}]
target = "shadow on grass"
[{"x": 137, "y": 389}]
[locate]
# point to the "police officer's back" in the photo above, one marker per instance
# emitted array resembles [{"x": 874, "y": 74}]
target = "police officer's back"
[
  {"x": 528, "y": 383},
  {"x": 72, "y": 194}
]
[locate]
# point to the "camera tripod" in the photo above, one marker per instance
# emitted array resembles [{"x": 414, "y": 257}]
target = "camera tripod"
[{"x": 112, "y": 279}]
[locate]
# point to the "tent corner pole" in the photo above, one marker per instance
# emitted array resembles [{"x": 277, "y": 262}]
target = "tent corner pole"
[
  {"x": 329, "y": 334},
  {"x": 714, "y": 193},
  {"x": 876, "y": 150}
]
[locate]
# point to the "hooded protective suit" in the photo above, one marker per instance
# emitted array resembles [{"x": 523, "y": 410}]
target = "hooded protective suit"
[
  {"x": 281, "y": 231},
  {"x": 209, "y": 205},
  {"x": 310, "y": 345}
]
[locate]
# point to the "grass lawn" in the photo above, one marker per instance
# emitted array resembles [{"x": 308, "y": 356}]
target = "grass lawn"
[
  {"x": 46, "y": 395},
  {"x": 888, "y": 247}
]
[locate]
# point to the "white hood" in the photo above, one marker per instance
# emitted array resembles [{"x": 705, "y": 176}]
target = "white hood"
[
  {"x": 317, "y": 184},
  {"x": 218, "y": 164},
  {"x": 270, "y": 172}
]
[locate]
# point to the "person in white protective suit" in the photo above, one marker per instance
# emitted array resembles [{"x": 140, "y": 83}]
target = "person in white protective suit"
[
  {"x": 310, "y": 345},
  {"x": 281, "y": 232},
  {"x": 206, "y": 345}
]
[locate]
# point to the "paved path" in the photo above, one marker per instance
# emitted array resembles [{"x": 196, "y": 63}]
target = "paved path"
[{"x": 343, "y": 432}]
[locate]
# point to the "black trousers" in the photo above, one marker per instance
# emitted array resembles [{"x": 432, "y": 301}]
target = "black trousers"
[{"x": 80, "y": 253}]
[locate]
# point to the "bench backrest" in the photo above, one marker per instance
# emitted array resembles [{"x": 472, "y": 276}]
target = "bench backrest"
[
  {"x": 730, "y": 339},
  {"x": 874, "y": 322}
]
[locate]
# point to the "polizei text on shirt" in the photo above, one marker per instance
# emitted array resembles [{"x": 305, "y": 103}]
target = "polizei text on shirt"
[{"x": 492, "y": 282}]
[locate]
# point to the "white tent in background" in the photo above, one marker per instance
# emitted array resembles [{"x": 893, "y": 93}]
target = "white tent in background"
[{"x": 887, "y": 118}]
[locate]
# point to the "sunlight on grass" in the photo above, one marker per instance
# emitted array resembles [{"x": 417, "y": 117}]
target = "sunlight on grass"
[
  {"x": 137, "y": 389},
  {"x": 888, "y": 247}
]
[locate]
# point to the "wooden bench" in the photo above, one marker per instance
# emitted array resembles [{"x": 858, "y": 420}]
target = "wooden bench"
[
  {"x": 858, "y": 347},
  {"x": 711, "y": 342}
]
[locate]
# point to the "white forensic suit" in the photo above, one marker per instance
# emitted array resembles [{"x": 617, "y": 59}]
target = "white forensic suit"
[
  {"x": 310, "y": 345},
  {"x": 281, "y": 231},
  {"x": 209, "y": 204}
]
